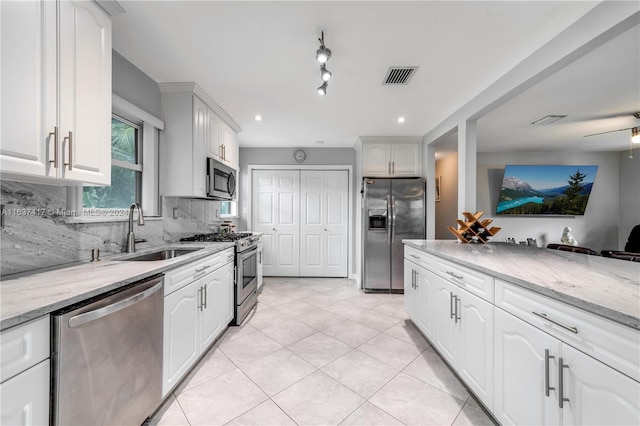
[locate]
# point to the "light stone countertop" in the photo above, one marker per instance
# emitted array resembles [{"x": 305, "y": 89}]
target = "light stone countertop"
[
  {"x": 30, "y": 296},
  {"x": 603, "y": 286}
]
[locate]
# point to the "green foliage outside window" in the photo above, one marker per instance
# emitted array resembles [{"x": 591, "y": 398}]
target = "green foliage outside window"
[{"x": 124, "y": 181}]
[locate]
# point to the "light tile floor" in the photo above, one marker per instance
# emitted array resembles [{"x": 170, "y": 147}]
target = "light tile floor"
[{"x": 321, "y": 352}]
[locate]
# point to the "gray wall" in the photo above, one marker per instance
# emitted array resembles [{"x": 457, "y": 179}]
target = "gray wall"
[
  {"x": 447, "y": 208},
  {"x": 629, "y": 194},
  {"x": 284, "y": 157},
  {"x": 130, "y": 83},
  {"x": 597, "y": 229}
]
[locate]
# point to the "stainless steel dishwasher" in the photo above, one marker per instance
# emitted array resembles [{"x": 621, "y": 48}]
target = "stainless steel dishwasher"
[{"x": 107, "y": 357}]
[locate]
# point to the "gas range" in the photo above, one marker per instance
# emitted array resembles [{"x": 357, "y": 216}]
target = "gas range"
[{"x": 243, "y": 240}]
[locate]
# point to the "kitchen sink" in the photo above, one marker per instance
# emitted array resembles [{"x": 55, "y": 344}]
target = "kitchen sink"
[{"x": 161, "y": 254}]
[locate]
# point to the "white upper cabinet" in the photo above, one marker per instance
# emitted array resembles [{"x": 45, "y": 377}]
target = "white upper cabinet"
[
  {"x": 195, "y": 128},
  {"x": 222, "y": 143},
  {"x": 382, "y": 159},
  {"x": 56, "y": 91}
]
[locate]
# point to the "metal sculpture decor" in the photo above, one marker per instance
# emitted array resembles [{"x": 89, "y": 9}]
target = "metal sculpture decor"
[{"x": 474, "y": 230}]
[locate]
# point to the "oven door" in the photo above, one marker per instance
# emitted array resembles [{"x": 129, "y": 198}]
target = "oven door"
[{"x": 247, "y": 274}]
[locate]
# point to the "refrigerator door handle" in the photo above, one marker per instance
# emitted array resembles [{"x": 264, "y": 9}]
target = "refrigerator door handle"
[
  {"x": 393, "y": 219},
  {"x": 388, "y": 218}
]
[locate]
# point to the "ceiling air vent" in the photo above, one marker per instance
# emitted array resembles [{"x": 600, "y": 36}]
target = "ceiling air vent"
[{"x": 399, "y": 75}]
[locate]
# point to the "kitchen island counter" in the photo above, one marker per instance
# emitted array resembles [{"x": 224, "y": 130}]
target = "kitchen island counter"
[
  {"x": 603, "y": 286},
  {"x": 29, "y": 296}
]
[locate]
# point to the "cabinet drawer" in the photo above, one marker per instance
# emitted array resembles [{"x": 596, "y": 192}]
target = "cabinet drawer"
[
  {"x": 24, "y": 346},
  {"x": 614, "y": 344},
  {"x": 25, "y": 398},
  {"x": 419, "y": 257},
  {"x": 179, "y": 277},
  {"x": 473, "y": 281}
]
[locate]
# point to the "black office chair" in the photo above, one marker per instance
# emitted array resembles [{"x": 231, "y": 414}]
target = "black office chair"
[{"x": 633, "y": 242}]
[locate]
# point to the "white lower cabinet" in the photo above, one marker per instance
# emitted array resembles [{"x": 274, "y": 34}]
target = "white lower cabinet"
[
  {"x": 24, "y": 373},
  {"x": 25, "y": 397},
  {"x": 521, "y": 375},
  {"x": 194, "y": 317},
  {"x": 464, "y": 335},
  {"x": 541, "y": 380},
  {"x": 458, "y": 323}
]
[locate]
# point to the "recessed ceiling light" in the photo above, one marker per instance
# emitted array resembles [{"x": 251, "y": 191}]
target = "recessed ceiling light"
[
  {"x": 257, "y": 117},
  {"x": 401, "y": 119}
]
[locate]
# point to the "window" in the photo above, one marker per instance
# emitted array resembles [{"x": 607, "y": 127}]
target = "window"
[
  {"x": 134, "y": 169},
  {"x": 126, "y": 169},
  {"x": 228, "y": 209}
]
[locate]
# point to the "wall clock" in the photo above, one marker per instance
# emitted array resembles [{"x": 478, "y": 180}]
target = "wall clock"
[{"x": 299, "y": 155}]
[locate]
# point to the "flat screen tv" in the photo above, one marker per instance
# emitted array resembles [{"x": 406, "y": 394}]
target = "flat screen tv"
[{"x": 545, "y": 190}]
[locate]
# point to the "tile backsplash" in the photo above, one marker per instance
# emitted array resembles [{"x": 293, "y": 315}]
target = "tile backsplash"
[{"x": 37, "y": 233}]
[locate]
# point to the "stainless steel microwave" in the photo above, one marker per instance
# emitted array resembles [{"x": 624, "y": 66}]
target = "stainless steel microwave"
[{"x": 221, "y": 180}]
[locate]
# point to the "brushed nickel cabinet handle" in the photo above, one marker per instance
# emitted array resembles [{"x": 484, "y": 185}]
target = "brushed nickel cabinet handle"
[
  {"x": 460, "y": 277},
  {"x": 55, "y": 147},
  {"x": 393, "y": 167},
  {"x": 458, "y": 317},
  {"x": 547, "y": 357},
  {"x": 566, "y": 327},
  {"x": 389, "y": 167},
  {"x": 451, "y": 305},
  {"x": 205, "y": 296},
  {"x": 561, "y": 398},
  {"x": 70, "y": 145}
]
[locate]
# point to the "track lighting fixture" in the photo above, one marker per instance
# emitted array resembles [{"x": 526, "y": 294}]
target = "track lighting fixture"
[
  {"x": 322, "y": 55},
  {"x": 325, "y": 74},
  {"x": 322, "y": 90}
]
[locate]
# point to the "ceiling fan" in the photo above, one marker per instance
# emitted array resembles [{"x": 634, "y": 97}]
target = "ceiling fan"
[{"x": 635, "y": 131}]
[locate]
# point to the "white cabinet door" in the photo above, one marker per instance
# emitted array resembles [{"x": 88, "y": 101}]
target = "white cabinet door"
[
  {"x": 63, "y": 76},
  {"x": 596, "y": 393},
  {"x": 199, "y": 153},
  {"x": 260, "y": 269},
  {"x": 229, "y": 146},
  {"x": 214, "y": 140},
  {"x": 211, "y": 293},
  {"x": 181, "y": 340},
  {"x": 85, "y": 92},
  {"x": 323, "y": 222},
  {"x": 474, "y": 351},
  {"x": 521, "y": 380},
  {"x": 275, "y": 213},
  {"x": 227, "y": 299},
  {"x": 28, "y": 60},
  {"x": 446, "y": 332},
  {"x": 411, "y": 301},
  {"x": 376, "y": 160},
  {"x": 405, "y": 160},
  {"x": 426, "y": 299},
  {"x": 25, "y": 397}
]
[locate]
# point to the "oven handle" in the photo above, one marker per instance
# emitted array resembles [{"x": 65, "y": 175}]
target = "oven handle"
[
  {"x": 86, "y": 317},
  {"x": 248, "y": 253}
]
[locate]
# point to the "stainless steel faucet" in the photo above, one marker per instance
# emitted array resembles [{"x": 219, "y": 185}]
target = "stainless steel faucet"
[{"x": 131, "y": 238}]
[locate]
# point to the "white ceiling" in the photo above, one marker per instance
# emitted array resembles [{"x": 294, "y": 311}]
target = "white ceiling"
[{"x": 259, "y": 58}]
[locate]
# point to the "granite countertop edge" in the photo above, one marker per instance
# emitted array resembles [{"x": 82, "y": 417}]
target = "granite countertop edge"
[
  {"x": 53, "y": 297},
  {"x": 562, "y": 296}
]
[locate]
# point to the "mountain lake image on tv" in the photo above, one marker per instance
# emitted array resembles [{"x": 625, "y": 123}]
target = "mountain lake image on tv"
[{"x": 546, "y": 190}]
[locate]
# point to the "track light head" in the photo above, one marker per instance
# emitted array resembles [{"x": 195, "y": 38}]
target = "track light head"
[
  {"x": 325, "y": 74},
  {"x": 322, "y": 90},
  {"x": 323, "y": 54}
]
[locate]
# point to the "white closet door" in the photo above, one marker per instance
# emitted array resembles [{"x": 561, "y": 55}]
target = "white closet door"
[
  {"x": 323, "y": 222},
  {"x": 275, "y": 212}
]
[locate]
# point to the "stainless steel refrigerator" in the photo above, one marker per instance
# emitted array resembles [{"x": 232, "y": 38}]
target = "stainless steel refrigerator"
[{"x": 393, "y": 210}]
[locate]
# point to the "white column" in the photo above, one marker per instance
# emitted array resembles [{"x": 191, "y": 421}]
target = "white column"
[
  {"x": 467, "y": 148},
  {"x": 430, "y": 174}
]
